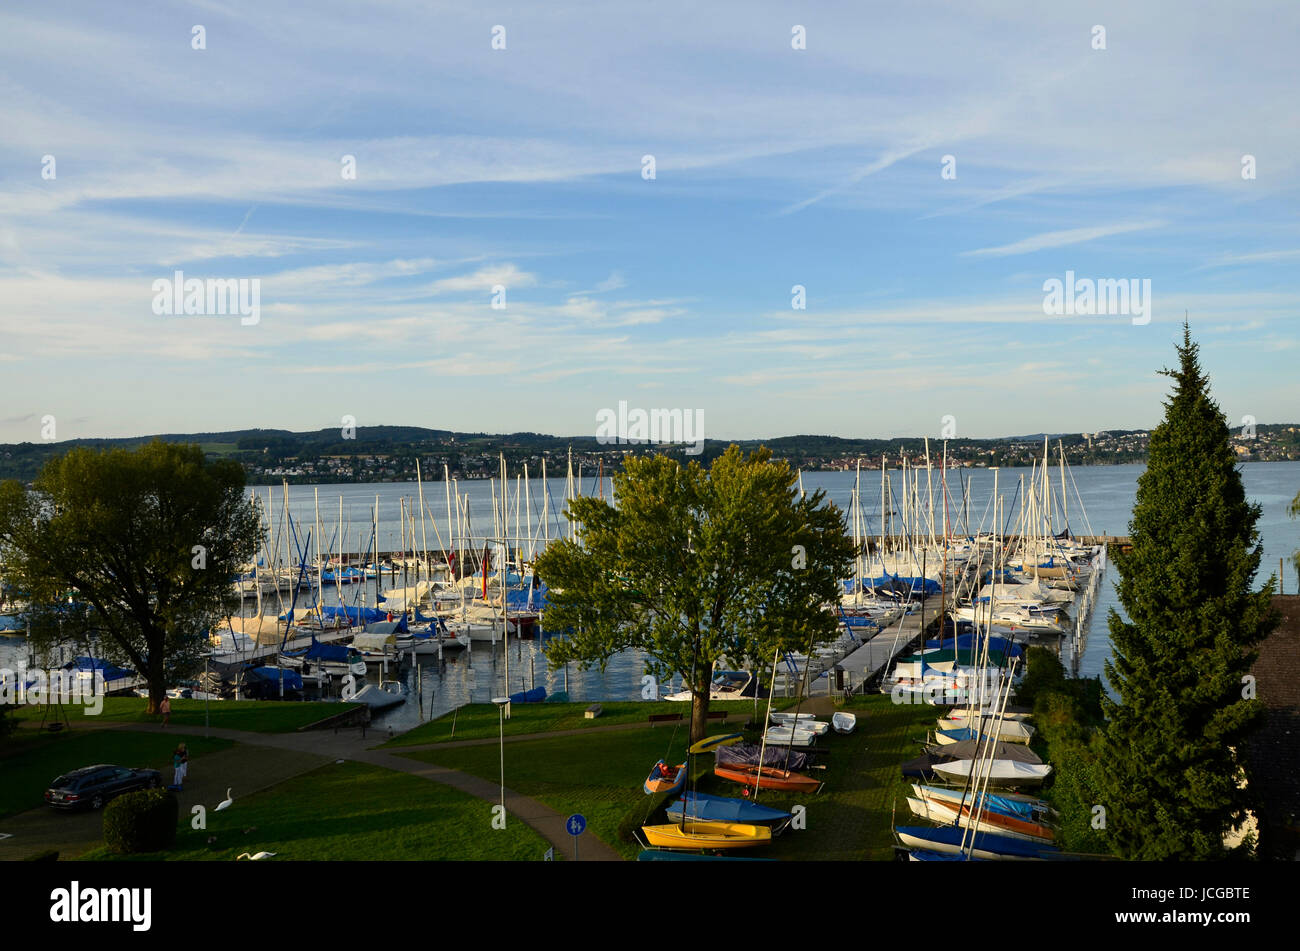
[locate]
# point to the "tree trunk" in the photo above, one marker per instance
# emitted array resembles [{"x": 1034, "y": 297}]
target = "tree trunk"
[
  {"x": 154, "y": 675},
  {"x": 700, "y": 703}
]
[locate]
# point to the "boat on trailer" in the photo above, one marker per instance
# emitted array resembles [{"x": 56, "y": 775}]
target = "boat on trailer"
[
  {"x": 664, "y": 778},
  {"x": 699, "y": 834},
  {"x": 697, "y": 806},
  {"x": 767, "y": 777},
  {"x": 979, "y": 845}
]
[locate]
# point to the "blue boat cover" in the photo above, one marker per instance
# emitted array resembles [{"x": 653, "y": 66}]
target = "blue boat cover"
[
  {"x": 1000, "y": 804},
  {"x": 536, "y": 695},
  {"x": 721, "y": 809},
  {"x": 330, "y": 652},
  {"x": 354, "y": 615},
  {"x": 985, "y": 841},
  {"x": 966, "y": 641},
  {"x": 292, "y": 679},
  {"x": 527, "y": 598},
  {"x": 89, "y": 664}
]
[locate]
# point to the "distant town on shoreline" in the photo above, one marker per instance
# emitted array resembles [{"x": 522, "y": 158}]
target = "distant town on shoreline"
[{"x": 390, "y": 453}]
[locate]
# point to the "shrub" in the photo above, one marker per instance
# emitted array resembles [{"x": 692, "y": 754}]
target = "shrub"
[{"x": 143, "y": 821}]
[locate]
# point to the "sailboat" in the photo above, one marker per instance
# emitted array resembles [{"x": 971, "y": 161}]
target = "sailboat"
[
  {"x": 704, "y": 807},
  {"x": 699, "y": 834}
]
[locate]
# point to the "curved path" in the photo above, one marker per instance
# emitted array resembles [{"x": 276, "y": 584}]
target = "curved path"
[{"x": 350, "y": 743}]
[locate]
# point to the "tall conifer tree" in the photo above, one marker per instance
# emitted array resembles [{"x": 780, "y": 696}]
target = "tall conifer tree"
[{"x": 1170, "y": 773}]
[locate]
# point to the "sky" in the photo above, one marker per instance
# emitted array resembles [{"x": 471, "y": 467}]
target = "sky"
[{"x": 503, "y": 260}]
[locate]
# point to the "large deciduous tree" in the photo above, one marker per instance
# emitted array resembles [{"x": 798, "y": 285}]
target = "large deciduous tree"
[
  {"x": 1170, "y": 774},
  {"x": 690, "y": 565},
  {"x": 138, "y": 546}
]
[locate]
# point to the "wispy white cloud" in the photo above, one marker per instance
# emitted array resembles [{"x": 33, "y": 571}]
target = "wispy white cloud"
[{"x": 1058, "y": 239}]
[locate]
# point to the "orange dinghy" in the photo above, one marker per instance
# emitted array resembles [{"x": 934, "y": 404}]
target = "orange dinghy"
[
  {"x": 665, "y": 779},
  {"x": 771, "y": 777}
]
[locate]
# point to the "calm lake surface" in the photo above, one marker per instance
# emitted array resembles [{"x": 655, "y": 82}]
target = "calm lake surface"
[{"x": 1103, "y": 505}]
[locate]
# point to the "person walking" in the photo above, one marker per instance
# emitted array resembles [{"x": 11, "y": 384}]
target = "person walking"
[
  {"x": 180, "y": 767},
  {"x": 165, "y": 708}
]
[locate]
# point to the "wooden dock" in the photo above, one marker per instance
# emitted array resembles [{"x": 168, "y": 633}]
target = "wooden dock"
[{"x": 866, "y": 664}]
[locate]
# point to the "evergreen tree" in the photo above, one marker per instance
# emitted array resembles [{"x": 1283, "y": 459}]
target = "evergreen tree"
[{"x": 1170, "y": 772}]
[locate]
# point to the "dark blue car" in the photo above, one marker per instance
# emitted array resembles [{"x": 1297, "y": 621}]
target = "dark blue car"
[{"x": 92, "y": 786}]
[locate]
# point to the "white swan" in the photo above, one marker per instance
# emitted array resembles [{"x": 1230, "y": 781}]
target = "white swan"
[
  {"x": 255, "y": 858},
  {"x": 227, "y": 802}
]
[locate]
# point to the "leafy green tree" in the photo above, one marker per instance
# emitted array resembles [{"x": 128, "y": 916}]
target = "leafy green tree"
[
  {"x": 139, "y": 546},
  {"x": 695, "y": 564},
  {"x": 1170, "y": 775}
]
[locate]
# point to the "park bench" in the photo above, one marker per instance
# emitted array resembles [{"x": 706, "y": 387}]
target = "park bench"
[
  {"x": 593, "y": 711},
  {"x": 663, "y": 717}
]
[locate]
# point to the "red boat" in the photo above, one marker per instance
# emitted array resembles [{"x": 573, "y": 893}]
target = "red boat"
[{"x": 771, "y": 778}]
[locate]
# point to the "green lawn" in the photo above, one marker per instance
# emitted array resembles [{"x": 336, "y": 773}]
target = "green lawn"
[
  {"x": 258, "y": 716},
  {"x": 850, "y": 819},
  {"x": 601, "y": 775},
  {"x": 479, "y": 721},
  {"x": 35, "y": 762},
  {"x": 353, "y": 811}
]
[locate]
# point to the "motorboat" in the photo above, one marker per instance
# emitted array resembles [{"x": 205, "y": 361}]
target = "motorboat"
[{"x": 726, "y": 685}]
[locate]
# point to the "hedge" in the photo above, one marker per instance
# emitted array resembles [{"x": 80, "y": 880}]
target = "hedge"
[{"x": 142, "y": 821}]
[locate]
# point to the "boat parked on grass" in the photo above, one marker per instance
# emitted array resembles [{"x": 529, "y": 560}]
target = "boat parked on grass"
[
  {"x": 948, "y": 813},
  {"x": 704, "y": 807},
  {"x": 707, "y": 835},
  {"x": 998, "y": 772},
  {"x": 767, "y": 777},
  {"x": 1007, "y": 803},
  {"x": 665, "y": 779},
  {"x": 980, "y": 845}
]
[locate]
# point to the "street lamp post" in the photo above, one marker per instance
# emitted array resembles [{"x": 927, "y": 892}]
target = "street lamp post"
[{"x": 502, "y": 703}]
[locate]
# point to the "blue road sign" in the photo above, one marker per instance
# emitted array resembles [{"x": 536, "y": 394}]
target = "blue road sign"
[{"x": 576, "y": 824}]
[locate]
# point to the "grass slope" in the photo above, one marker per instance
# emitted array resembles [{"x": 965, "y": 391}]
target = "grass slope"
[
  {"x": 353, "y": 811},
  {"x": 258, "y": 716},
  {"x": 478, "y": 721},
  {"x": 600, "y": 776},
  {"x": 36, "y": 762}
]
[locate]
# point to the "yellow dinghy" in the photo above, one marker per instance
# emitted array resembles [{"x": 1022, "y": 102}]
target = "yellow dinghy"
[{"x": 707, "y": 835}]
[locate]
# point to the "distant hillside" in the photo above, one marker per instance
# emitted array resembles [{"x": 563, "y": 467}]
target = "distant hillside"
[{"x": 390, "y": 453}]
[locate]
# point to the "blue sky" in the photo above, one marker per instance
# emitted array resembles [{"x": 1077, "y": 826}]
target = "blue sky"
[{"x": 523, "y": 167}]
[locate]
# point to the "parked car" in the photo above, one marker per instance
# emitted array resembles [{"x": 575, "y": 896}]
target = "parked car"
[{"x": 92, "y": 786}]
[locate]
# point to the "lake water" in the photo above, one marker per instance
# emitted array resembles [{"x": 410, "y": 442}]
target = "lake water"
[{"x": 1102, "y": 506}]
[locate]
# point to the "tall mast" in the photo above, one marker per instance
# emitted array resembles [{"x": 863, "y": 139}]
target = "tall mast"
[
  {"x": 451, "y": 530},
  {"x": 546, "y": 506},
  {"x": 424, "y": 537},
  {"x": 528, "y": 512}
]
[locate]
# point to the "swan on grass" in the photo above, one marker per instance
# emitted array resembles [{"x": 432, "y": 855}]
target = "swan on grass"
[
  {"x": 255, "y": 858},
  {"x": 225, "y": 804}
]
